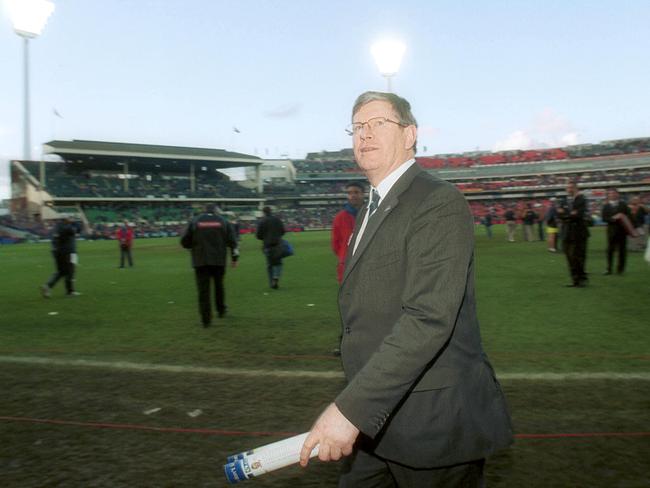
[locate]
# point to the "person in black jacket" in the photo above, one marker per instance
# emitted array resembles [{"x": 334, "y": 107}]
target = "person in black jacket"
[
  {"x": 270, "y": 230},
  {"x": 575, "y": 232},
  {"x": 209, "y": 236},
  {"x": 529, "y": 219},
  {"x": 64, "y": 251},
  {"x": 612, "y": 212}
]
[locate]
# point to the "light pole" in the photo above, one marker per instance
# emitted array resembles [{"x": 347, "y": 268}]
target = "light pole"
[
  {"x": 388, "y": 56},
  {"x": 29, "y": 18}
]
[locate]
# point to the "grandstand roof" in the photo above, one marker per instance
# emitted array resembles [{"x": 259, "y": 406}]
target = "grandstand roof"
[{"x": 105, "y": 155}]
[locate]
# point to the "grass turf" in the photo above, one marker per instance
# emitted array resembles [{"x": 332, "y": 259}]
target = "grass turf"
[{"x": 148, "y": 314}]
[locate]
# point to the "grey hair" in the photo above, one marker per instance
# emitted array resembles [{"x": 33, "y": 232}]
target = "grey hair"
[{"x": 400, "y": 105}]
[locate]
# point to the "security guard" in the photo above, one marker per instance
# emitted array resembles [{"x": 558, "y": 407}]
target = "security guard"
[{"x": 208, "y": 236}]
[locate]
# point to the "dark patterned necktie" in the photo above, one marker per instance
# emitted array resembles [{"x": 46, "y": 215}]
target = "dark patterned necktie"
[{"x": 374, "y": 202}]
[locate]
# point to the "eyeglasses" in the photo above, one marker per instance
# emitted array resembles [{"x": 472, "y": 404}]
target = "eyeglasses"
[{"x": 376, "y": 124}]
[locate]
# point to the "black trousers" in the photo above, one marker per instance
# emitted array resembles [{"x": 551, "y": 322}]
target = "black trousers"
[
  {"x": 576, "y": 255},
  {"x": 125, "y": 252},
  {"x": 616, "y": 243},
  {"x": 64, "y": 269},
  {"x": 204, "y": 275},
  {"x": 365, "y": 470}
]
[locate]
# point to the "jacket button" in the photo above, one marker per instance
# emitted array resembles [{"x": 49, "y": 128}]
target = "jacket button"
[{"x": 348, "y": 330}]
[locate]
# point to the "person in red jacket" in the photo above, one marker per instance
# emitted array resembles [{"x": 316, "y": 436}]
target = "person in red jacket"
[
  {"x": 343, "y": 224},
  {"x": 124, "y": 236}
]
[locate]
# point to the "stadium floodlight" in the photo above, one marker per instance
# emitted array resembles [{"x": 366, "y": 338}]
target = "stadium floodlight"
[
  {"x": 28, "y": 18},
  {"x": 388, "y": 56}
]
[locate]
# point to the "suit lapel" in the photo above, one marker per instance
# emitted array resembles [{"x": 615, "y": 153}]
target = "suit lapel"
[{"x": 385, "y": 207}]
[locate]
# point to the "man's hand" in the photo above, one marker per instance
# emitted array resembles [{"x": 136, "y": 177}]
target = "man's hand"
[{"x": 333, "y": 433}]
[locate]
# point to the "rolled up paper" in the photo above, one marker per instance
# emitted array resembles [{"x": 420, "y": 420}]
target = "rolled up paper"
[{"x": 270, "y": 457}]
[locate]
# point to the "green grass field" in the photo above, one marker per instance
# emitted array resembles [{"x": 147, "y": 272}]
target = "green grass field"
[{"x": 121, "y": 387}]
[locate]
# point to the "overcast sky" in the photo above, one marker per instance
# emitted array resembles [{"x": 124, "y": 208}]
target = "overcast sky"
[{"x": 479, "y": 74}]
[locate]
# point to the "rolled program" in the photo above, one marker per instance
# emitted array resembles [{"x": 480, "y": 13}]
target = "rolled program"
[{"x": 270, "y": 457}]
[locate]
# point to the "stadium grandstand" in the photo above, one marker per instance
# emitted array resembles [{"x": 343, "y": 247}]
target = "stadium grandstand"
[
  {"x": 158, "y": 188},
  {"x": 494, "y": 180}
]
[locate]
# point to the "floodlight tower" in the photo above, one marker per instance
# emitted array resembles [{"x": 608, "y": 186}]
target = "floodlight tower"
[
  {"x": 388, "y": 56},
  {"x": 29, "y": 18}
]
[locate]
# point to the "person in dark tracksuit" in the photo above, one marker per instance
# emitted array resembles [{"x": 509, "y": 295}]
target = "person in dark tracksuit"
[
  {"x": 270, "y": 230},
  {"x": 64, "y": 251},
  {"x": 208, "y": 236}
]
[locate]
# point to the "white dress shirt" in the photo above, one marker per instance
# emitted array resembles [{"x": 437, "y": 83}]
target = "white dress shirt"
[{"x": 382, "y": 189}]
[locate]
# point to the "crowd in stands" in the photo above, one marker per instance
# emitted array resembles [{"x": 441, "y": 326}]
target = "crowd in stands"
[
  {"x": 149, "y": 219},
  {"x": 169, "y": 218},
  {"x": 38, "y": 229},
  {"x": 606, "y": 178},
  {"x": 66, "y": 180},
  {"x": 326, "y": 165}
]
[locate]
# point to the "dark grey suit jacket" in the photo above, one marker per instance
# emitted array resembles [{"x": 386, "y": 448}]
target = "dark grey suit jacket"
[{"x": 419, "y": 384}]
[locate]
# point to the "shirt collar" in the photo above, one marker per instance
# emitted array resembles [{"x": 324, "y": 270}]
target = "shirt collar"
[{"x": 387, "y": 183}]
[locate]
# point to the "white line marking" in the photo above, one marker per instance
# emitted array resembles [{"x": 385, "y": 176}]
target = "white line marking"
[
  {"x": 279, "y": 373},
  {"x": 172, "y": 368},
  {"x": 604, "y": 375}
]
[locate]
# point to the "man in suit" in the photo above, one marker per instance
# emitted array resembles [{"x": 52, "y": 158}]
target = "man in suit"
[
  {"x": 612, "y": 213},
  {"x": 422, "y": 406},
  {"x": 575, "y": 232}
]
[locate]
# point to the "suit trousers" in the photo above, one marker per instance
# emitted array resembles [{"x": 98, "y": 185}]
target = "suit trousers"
[
  {"x": 64, "y": 269},
  {"x": 576, "y": 254},
  {"x": 616, "y": 243},
  {"x": 365, "y": 470},
  {"x": 204, "y": 275}
]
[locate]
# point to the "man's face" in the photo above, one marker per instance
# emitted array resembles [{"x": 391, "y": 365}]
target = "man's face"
[
  {"x": 612, "y": 195},
  {"x": 355, "y": 196},
  {"x": 571, "y": 189},
  {"x": 379, "y": 151}
]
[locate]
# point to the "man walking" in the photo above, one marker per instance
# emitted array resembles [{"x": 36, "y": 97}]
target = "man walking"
[
  {"x": 422, "y": 406},
  {"x": 575, "y": 232},
  {"x": 343, "y": 224},
  {"x": 208, "y": 236},
  {"x": 270, "y": 231},
  {"x": 612, "y": 213},
  {"x": 64, "y": 251}
]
